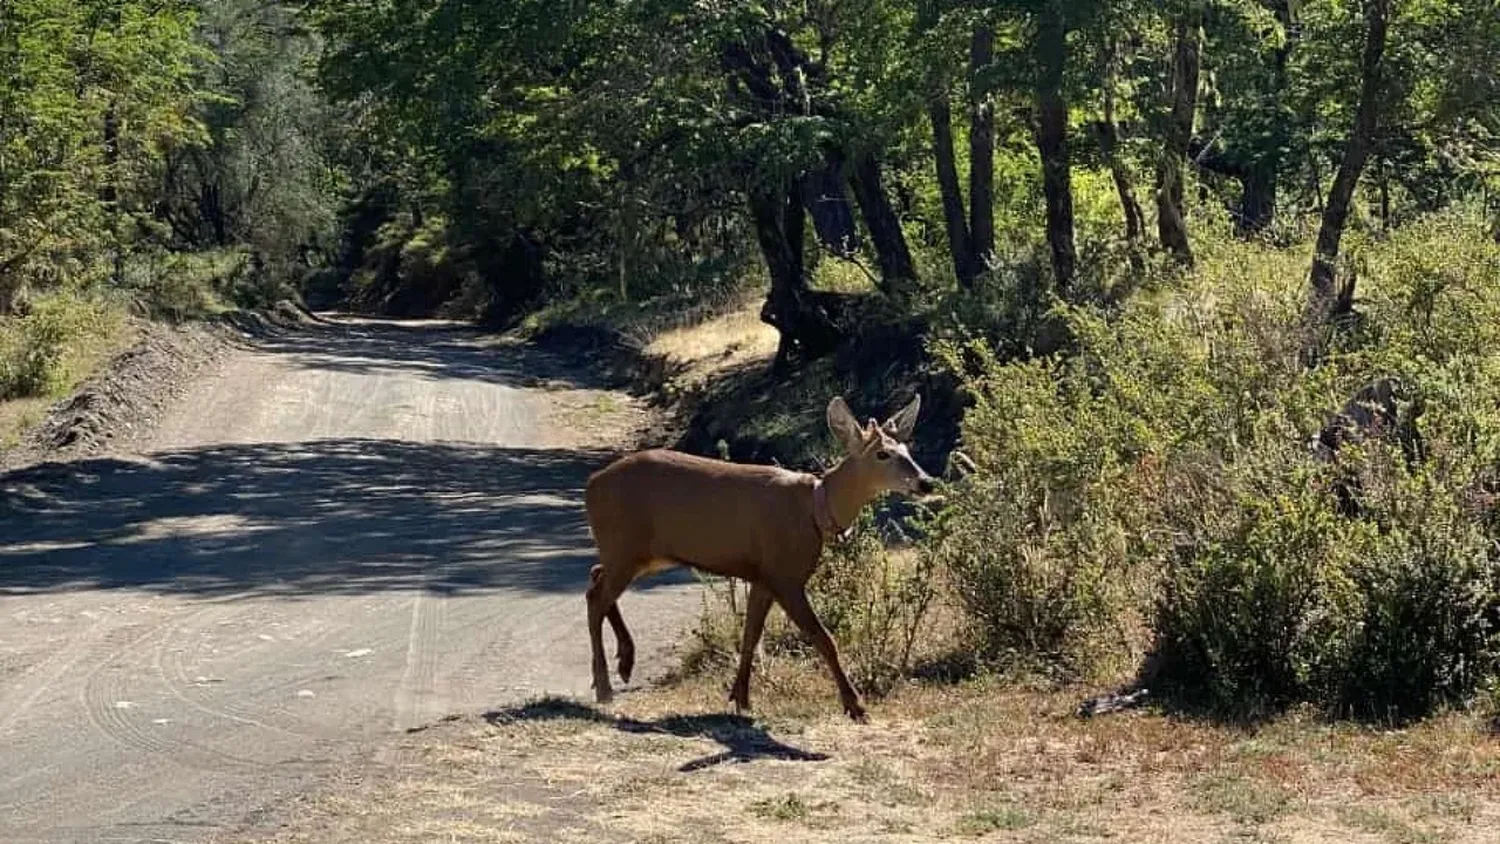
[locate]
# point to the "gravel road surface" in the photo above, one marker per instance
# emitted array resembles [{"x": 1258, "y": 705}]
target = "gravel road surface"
[{"x": 334, "y": 535}]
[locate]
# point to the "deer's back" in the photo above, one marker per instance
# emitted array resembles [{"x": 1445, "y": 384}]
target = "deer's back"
[{"x": 709, "y": 513}]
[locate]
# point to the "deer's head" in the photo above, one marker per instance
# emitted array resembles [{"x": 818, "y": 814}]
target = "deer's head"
[{"x": 879, "y": 460}]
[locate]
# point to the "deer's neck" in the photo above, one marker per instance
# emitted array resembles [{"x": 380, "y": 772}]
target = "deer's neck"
[{"x": 846, "y": 497}]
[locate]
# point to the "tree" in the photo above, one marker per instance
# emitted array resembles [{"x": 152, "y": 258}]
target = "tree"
[
  {"x": 262, "y": 178},
  {"x": 93, "y": 94},
  {"x": 1052, "y": 138},
  {"x": 1171, "y": 219},
  {"x": 1327, "y": 300},
  {"x": 1109, "y": 149},
  {"x": 971, "y": 232}
]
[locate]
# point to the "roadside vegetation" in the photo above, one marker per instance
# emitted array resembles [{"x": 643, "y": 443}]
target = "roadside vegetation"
[{"x": 158, "y": 161}]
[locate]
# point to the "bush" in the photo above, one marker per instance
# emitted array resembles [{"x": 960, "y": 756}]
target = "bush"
[
  {"x": 187, "y": 285},
  {"x": 1425, "y": 634},
  {"x": 38, "y": 350},
  {"x": 874, "y": 601},
  {"x": 1153, "y": 482},
  {"x": 1389, "y": 615},
  {"x": 1254, "y": 607},
  {"x": 1040, "y": 541}
]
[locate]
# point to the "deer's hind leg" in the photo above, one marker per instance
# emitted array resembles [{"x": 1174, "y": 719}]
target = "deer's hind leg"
[{"x": 606, "y": 583}]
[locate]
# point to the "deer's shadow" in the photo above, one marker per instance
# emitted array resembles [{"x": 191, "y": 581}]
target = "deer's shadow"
[{"x": 742, "y": 739}]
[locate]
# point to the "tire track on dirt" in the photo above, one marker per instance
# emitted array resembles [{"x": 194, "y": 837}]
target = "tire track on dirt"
[
  {"x": 26, "y": 691},
  {"x": 106, "y": 704},
  {"x": 419, "y": 678},
  {"x": 173, "y": 677}
]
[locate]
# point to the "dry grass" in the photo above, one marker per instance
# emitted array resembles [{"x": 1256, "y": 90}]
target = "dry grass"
[
  {"x": 725, "y": 341},
  {"x": 937, "y": 763},
  {"x": 730, "y": 339}
]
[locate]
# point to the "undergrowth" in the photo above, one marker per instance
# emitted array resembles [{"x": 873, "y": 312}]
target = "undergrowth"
[
  {"x": 1148, "y": 498},
  {"x": 50, "y": 348}
]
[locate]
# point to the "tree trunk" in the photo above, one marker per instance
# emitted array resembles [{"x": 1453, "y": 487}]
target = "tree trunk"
[
  {"x": 897, "y": 272},
  {"x": 1327, "y": 300},
  {"x": 1109, "y": 146},
  {"x": 1171, "y": 224},
  {"x": 1052, "y": 141},
  {"x": 833, "y": 220},
  {"x": 981, "y": 151},
  {"x": 1259, "y": 183},
  {"x": 806, "y": 329},
  {"x": 941, "y": 116},
  {"x": 1258, "y": 199},
  {"x": 1135, "y": 225}
]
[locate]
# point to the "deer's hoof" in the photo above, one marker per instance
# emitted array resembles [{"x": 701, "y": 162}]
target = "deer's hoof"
[
  {"x": 603, "y": 694},
  {"x": 626, "y": 664},
  {"x": 856, "y": 713}
]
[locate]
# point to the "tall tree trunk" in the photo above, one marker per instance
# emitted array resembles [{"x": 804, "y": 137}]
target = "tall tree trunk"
[
  {"x": 1327, "y": 300},
  {"x": 806, "y": 329},
  {"x": 1259, "y": 180},
  {"x": 941, "y": 116},
  {"x": 897, "y": 272},
  {"x": 109, "y": 191},
  {"x": 981, "y": 150},
  {"x": 1109, "y": 148},
  {"x": 1052, "y": 141},
  {"x": 1171, "y": 223},
  {"x": 1258, "y": 197}
]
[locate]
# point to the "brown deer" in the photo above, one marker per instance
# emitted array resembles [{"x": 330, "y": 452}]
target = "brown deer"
[{"x": 655, "y": 509}]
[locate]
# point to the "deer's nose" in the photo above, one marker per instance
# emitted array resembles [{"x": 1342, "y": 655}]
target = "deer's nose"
[{"x": 925, "y": 486}]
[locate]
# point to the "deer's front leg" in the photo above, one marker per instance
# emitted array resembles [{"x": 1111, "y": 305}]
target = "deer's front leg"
[
  {"x": 794, "y": 601},
  {"x": 756, "y": 608}
]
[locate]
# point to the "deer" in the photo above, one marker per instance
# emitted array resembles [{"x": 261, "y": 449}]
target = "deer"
[{"x": 658, "y": 509}]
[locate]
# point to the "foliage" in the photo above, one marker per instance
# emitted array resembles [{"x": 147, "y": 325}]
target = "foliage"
[
  {"x": 92, "y": 94},
  {"x": 1157, "y": 473},
  {"x": 1138, "y": 428},
  {"x": 38, "y": 351},
  {"x": 1039, "y": 564},
  {"x": 874, "y": 601}
]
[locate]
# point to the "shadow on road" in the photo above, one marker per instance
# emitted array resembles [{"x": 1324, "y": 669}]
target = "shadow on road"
[
  {"x": 742, "y": 739},
  {"x": 428, "y": 351},
  {"x": 322, "y": 517}
]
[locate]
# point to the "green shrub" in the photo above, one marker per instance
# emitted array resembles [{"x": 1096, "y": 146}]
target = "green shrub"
[
  {"x": 186, "y": 285},
  {"x": 1152, "y": 481},
  {"x": 873, "y": 600},
  {"x": 1040, "y": 541},
  {"x": 37, "y": 351},
  {"x": 1425, "y": 634},
  {"x": 1255, "y": 602}
]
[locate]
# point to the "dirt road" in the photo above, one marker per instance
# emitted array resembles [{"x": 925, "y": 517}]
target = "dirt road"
[{"x": 343, "y": 533}]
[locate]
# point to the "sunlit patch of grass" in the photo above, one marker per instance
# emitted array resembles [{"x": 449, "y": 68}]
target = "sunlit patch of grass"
[
  {"x": 50, "y": 352},
  {"x": 1244, "y": 799},
  {"x": 993, "y": 820}
]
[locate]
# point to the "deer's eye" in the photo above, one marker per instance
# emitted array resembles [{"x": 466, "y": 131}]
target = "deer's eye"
[{"x": 882, "y": 455}]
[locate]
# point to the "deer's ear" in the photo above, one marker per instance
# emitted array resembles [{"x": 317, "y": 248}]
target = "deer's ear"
[
  {"x": 843, "y": 425},
  {"x": 904, "y": 423}
]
